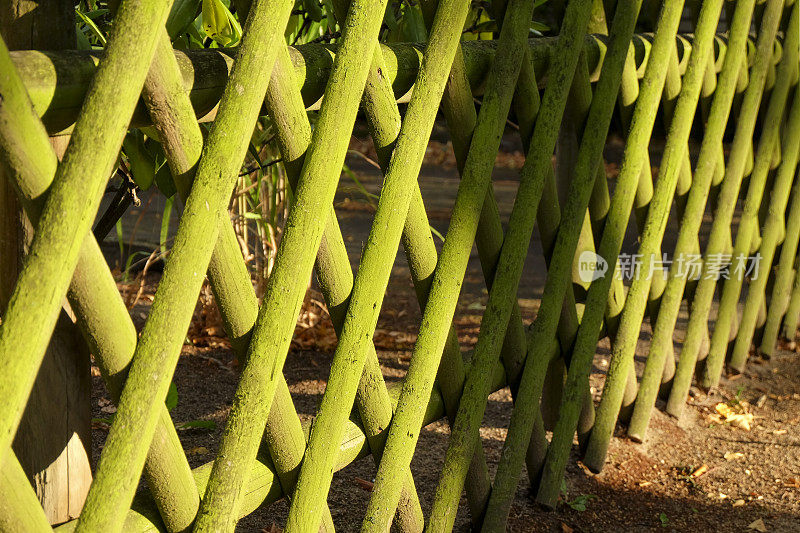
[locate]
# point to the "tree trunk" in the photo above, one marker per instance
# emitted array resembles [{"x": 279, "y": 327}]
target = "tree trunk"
[{"x": 53, "y": 443}]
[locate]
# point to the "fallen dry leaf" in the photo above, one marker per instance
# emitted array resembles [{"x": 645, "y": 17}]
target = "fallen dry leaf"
[
  {"x": 758, "y": 525},
  {"x": 731, "y": 456},
  {"x": 364, "y": 484},
  {"x": 742, "y": 419},
  {"x": 565, "y": 528},
  {"x": 197, "y": 450}
]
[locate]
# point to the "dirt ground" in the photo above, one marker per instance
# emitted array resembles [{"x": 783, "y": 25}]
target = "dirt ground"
[{"x": 743, "y": 480}]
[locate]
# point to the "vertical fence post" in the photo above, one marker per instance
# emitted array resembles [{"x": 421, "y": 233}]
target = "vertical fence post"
[{"x": 89, "y": 158}]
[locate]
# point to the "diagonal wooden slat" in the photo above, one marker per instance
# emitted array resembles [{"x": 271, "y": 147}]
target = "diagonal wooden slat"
[
  {"x": 620, "y": 368},
  {"x": 93, "y": 296},
  {"x": 375, "y": 268},
  {"x": 720, "y": 232},
  {"x": 690, "y": 223},
  {"x": 162, "y": 336},
  {"x": 557, "y": 281},
  {"x": 182, "y": 140},
  {"x": 299, "y": 245},
  {"x": 264, "y": 446},
  {"x": 748, "y": 225},
  {"x": 71, "y": 205}
]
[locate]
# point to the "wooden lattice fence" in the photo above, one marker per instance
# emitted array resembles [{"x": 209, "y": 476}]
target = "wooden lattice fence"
[{"x": 734, "y": 74}]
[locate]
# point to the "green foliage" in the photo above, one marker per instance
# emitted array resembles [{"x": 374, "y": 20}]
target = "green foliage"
[
  {"x": 579, "y": 503},
  {"x": 172, "y": 397},
  {"x": 220, "y": 24}
]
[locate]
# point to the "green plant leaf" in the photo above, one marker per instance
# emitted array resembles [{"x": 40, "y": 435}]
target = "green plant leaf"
[
  {"x": 182, "y": 14},
  {"x": 164, "y": 181},
  {"x": 92, "y": 27},
  {"x": 198, "y": 424},
  {"x": 389, "y": 18},
  {"x": 220, "y": 24},
  {"x": 410, "y": 27},
  {"x": 141, "y": 162},
  {"x": 579, "y": 503},
  {"x": 165, "y": 225},
  {"x": 664, "y": 519},
  {"x": 172, "y": 397},
  {"x": 313, "y": 9}
]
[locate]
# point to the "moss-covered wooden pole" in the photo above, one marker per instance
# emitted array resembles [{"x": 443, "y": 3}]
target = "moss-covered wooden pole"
[
  {"x": 782, "y": 289},
  {"x": 286, "y": 288},
  {"x": 20, "y": 509},
  {"x": 588, "y": 159},
  {"x": 642, "y": 123},
  {"x": 621, "y": 365},
  {"x": 71, "y": 206},
  {"x": 690, "y": 222},
  {"x": 180, "y": 135},
  {"x": 770, "y": 239},
  {"x": 162, "y": 336},
  {"x": 263, "y": 486},
  {"x": 726, "y": 202},
  {"x": 790, "y": 319},
  {"x": 53, "y": 442},
  {"x": 748, "y": 223},
  {"x": 375, "y": 268},
  {"x": 439, "y": 311},
  {"x": 284, "y": 104},
  {"x": 628, "y": 94},
  {"x": 94, "y": 297},
  {"x": 459, "y": 110}
]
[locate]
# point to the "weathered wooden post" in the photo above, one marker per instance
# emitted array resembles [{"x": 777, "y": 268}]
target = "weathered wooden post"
[{"x": 53, "y": 442}]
